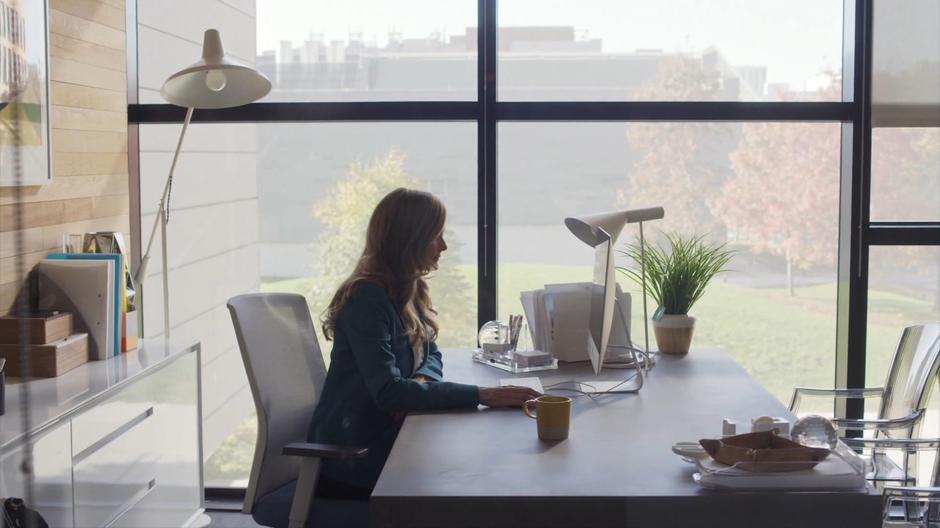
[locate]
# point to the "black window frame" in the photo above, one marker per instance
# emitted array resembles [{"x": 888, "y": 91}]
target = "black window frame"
[{"x": 857, "y": 234}]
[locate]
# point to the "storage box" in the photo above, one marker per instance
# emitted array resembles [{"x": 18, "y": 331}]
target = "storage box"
[
  {"x": 48, "y": 360},
  {"x": 42, "y": 327}
]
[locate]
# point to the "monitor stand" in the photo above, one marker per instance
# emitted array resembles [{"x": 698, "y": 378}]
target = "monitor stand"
[{"x": 627, "y": 356}]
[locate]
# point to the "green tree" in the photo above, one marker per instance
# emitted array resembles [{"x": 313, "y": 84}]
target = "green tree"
[
  {"x": 784, "y": 196},
  {"x": 681, "y": 165},
  {"x": 345, "y": 216}
]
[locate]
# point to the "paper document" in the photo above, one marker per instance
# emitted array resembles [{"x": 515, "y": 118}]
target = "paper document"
[
  {"x": 532, "y": 383},
  {"x": 568, "y": 307},
  {"x": 86, "y": 289}
]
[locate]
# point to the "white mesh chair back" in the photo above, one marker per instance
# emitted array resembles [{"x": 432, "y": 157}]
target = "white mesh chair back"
[
  {"x": 286, "y": 372},
  {"x": 912, "y": 373}
]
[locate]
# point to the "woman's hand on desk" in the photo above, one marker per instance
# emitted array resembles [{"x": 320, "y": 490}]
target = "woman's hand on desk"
[{"x": 508, "y": 396}]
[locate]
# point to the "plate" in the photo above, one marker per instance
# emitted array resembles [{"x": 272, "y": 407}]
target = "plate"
[{"x": 689, "y": 451}]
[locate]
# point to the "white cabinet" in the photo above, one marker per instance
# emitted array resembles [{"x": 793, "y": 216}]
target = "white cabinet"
[
  {"x": 52, "y": 474},
  {"x": 128, "y": 454}
]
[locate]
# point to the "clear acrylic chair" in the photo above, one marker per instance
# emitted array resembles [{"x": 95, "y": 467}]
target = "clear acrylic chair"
[
  {"x": 286, "y": 372},
  {"x": 903, "y": 404}
]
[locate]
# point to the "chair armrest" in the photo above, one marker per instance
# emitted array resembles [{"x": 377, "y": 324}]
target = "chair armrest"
[
  {"x": 908, "y": 445},
  {"x": 880, "y": 424},
  {"x": 304, "y": 449},
  {"x": 835, "y": 393},
  {"x": 922, "y": 492}
]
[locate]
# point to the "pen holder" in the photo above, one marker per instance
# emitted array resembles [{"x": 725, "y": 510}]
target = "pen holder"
[{"x": 496, "y": 348}]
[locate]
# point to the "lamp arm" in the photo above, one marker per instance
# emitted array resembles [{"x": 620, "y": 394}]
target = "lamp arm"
[
  {"x": 162, "y": 210},
  {"x": 161, "y": 220}
]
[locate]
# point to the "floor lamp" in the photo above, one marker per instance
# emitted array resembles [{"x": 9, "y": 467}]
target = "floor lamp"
[
  {"x": 585, "y": 228},
  {"x": 215, "y": 81}
]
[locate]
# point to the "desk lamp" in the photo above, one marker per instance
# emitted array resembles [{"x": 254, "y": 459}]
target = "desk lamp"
[
  {"x": 597, "y": 228},
  {"x": 215, "y": 81}
]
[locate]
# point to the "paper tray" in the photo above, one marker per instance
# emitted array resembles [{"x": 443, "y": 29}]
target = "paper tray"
[
  {"x": 841, "y": 470},
  {"x": 481, "y": 357}
]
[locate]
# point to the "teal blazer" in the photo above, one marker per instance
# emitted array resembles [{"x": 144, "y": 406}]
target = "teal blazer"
[{"x": 369, "y": 379}]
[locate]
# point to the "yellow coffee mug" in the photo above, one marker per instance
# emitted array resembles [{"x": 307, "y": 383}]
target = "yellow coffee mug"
[{"x": 552, "y": 414}]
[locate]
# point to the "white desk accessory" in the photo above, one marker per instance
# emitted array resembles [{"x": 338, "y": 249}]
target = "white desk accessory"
[
  {"x": 85, "y": 288},
  {"x": 601, "y": 231},
  {"x": 769, "y": 423},
  {"x": 729, "y": 427}
]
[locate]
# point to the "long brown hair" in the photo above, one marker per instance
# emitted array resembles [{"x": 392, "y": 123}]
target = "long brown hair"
[{"x": 402, "y": 228}]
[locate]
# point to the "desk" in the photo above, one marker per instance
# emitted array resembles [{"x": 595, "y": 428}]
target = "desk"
[{"x": 488, "y": 468}]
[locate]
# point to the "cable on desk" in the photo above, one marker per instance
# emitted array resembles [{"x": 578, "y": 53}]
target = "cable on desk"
[{"x": 592, "y": 395}]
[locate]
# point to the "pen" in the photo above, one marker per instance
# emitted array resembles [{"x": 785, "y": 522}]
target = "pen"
[{"x": 514, "y": 332}]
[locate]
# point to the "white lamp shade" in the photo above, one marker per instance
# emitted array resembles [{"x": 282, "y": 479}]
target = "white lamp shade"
[
  {"x": 596, "y": 228},
  {"x": 235, "y": 84}
]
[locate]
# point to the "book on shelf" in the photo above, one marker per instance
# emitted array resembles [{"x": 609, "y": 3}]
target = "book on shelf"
[
  {"x": 86, "y": 289},
  {"x": 118, "y": 288}
]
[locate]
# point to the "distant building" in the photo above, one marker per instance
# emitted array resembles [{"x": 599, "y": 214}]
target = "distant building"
[
  {"x": 13, "y": 64},
  {"x": 298, "y": 164},
  {"x": 535, "y": 63}
]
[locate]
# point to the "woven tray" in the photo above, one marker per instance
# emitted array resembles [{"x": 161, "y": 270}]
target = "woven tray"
[{"x": 763, "y": 452}]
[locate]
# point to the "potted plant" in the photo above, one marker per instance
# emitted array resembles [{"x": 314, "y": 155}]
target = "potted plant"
[{"x": 676, "y": 277}]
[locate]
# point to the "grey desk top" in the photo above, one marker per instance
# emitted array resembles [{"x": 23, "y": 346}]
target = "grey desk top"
[
  {"x": 615, "y": 464},
  {"x": 52, "y": 398}
]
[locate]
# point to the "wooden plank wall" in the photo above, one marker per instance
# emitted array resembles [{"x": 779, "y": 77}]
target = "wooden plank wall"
[{"x": 89, "y": 189}]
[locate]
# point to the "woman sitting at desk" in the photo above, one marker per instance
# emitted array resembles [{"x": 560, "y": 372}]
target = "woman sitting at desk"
[{"x": 384, "y": 361}]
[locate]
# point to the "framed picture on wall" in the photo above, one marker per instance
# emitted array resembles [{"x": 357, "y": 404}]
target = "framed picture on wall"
[{"x": 24, "y": 93}]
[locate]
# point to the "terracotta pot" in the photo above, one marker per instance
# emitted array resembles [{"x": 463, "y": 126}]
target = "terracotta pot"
[{"x": 674, "y": 333}]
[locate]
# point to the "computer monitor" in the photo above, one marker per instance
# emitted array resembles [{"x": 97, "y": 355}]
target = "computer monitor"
[
  {"x": 603, "y": 291},
  {"x": 609, "y": 315},
  {"x": 609, "y": 320}
]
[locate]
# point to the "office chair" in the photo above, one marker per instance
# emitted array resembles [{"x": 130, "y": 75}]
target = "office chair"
[
  {"x": 903, "y": 404},
  {"x": 286, "y": 373}
]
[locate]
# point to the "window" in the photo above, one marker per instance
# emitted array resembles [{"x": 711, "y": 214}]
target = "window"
[
  {"x": 283, "y": 207},
  {"x": 607, "y": 50},
  {"x": 747, "y": 136},
  {"x": 775, "y": 312},
  {"x": 321, "y": 50}
]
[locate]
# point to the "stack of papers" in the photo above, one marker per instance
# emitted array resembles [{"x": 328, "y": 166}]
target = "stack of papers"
[
  {"x": 532, "y": 383},
  {"x": 87, "y": 289},
  {"x": 559, "y": 319},
  {"x": 532, "y": 358}
]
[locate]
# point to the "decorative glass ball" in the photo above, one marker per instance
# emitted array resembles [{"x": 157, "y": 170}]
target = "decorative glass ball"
[
  {"x": 815, "y": 431},
  {"x": 493, "y": 333}
]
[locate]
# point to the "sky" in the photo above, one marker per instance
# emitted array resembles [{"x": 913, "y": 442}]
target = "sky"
[{"x": 795, "y": 39}]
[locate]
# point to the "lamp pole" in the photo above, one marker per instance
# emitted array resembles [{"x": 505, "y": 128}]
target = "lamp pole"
[
  {"x": 646, "y": 329},
  {"x": 161, "y": 220}
]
